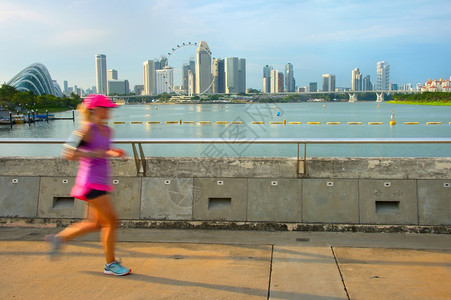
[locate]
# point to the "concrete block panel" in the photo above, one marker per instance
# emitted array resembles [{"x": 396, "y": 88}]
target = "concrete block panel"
[
  {"x": 274, "y": 200},
  {"x": 220, "y": 199},
  {"x": 127, "y": 196},
  {"x": 434, "y": 202},
  {"x": 19, "y": 196},
  {"x": 55, "y": 200},
  {"x": 167, "y": 198},
  {"x": 330, "y": 200},
  {"x": 388, "y": 202}
]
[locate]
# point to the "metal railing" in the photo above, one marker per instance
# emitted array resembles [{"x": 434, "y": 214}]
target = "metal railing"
[{"x": 140, "y": 158}]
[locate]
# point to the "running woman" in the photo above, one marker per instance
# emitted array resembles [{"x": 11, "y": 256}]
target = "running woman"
[{"x": 93, "y": 183}]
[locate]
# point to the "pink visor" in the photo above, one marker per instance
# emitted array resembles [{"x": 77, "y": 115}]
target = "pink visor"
[{"x": 96, "y": 100}]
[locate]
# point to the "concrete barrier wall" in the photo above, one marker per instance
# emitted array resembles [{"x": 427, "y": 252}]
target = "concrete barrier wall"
[{"x": 403, "y": 191}]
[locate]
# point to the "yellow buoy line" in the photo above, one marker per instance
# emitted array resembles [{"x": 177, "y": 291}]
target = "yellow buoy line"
[{"x": 284, "y": 122}]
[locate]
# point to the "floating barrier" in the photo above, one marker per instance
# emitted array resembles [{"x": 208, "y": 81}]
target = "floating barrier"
[{"x": 284, "y": 122}]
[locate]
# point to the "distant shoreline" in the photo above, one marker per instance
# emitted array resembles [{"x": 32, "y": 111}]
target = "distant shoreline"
[{"x": 433, "y": 103}]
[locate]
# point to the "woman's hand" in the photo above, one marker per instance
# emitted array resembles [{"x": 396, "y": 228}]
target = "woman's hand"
[
  {"x": 117, "y": 152},
  {"x": 70, "y": 153}
]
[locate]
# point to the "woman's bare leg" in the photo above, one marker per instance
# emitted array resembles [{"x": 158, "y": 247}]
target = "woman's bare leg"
[
  {"x": 90, "y": 224},
  {"x": 106, "y": 216}
]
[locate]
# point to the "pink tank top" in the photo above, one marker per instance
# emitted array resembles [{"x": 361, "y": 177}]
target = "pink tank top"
[{"x": 95, "y": 172}]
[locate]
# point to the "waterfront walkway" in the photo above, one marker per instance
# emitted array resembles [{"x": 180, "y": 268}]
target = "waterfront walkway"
[{"x": 201, "y": 264}]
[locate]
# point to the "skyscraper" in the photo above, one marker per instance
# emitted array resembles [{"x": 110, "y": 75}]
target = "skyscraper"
[
  {"x": 328, "y": 83},
  {"x": 356, "y": 84},
  {"x": 149, "y": 77},
  {"x": 313, "y": 87},
  {"x": 112, "y": 74},
  {"x": 241, "y": 75},
  {"x": 191, "y": 66},
  {"x": 66, "y": 87},
  {"x": 231, "y": 75},
  {"x": 164, "y": 80},
  {"x": 289, "y": 78},
  {"x": 276, "y": 81},
  {"x": 383, "y": 76},
  {"x": 218, "y": 76},
  {"x": 101, "y": 79},
  {"x": 280, "y": 82},
  {"x": 203, "y": 68},
  {"x": 235, "y": 75},
  {"x": 267, "y": 79},
  {"x": 367, "y": 85}
]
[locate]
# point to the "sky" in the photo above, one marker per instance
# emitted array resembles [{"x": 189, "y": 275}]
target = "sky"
[{"x": 316, "y": 36}]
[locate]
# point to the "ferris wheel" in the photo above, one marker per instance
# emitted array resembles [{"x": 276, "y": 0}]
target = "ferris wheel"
[{"x": 182, "y": 66}]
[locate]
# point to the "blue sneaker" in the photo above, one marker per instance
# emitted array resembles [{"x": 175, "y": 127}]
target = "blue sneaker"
[
  {"x": 55, "y": 243},
  {"x": 115, "y": 268}
]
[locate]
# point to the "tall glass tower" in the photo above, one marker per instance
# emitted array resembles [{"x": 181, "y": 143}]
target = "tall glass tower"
[
  {"x": 218, "y": 76},
  {"x": 101, "y": 78},
  {"x": 203, "y": 68},
  {"x": 356, "y": 84},
  {"x": 289, "y": 79},
  {"x": 383, "y": 76}
]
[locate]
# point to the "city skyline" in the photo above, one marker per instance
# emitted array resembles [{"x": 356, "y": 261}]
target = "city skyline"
[{"x": 316, "y": 37}]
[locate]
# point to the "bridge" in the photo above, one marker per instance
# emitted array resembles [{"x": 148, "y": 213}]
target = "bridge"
[{"x": 353, "y": 95}]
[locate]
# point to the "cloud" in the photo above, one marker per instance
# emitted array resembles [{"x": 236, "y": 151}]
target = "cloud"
[
  {"x": 79, "y": 37},
  {"x": 12, "y": 15}
]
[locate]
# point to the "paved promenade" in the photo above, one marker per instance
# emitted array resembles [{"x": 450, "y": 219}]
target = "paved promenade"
[{"x": 201, "y": 264}]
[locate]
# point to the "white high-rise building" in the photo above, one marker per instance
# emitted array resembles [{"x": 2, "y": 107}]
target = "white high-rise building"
[
  {"x": 164, "y": 80},
  {"x": 276, "y": 82},
  {"x": 203, "y": 68},
  {"x": 383, "y": 76},
  {"x": 101, "y": 77},
  {"x": 356, "y": 84},
  {"x": 267, "y": 79},
  {"x": 191, "y": 83},
  {"x": 112, "y": 74},
  {"x": 328, "y": 83},
  {"x": 149, "y": 77}
]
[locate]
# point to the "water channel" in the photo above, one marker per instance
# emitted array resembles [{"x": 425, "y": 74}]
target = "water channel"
[{"x": 303, "y": 120}]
